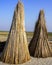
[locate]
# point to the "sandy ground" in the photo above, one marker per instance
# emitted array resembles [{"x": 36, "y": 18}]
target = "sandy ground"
[{"x": 34, "y": 61}]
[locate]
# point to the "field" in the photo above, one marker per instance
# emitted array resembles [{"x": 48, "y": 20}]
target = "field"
[{"x": 4, "y": 35}]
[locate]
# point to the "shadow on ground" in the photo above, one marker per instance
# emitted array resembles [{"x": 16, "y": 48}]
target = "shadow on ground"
[{"x": 2, "y": 44}]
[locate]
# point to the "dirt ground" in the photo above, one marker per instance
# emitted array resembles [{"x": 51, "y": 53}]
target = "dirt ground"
[{"x": 34, "y": 61}]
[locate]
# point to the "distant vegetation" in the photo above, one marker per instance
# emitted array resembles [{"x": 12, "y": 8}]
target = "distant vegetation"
[
  {"x": 28, "y": 33},
  {"x": 31, "y": 33},
  {"x": 50, "y": 33},
  {"x": 4, "y": 33}
]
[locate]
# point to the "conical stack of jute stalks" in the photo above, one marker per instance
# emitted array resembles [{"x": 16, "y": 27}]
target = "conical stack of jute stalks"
[
  {"x": 39, "y": 45},
  {"x": 16, "y": 48}
]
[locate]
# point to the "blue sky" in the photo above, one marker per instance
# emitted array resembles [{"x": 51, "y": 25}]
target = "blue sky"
[{"x": 31, "y": 9}]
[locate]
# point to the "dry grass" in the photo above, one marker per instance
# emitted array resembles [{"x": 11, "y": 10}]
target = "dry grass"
[{"x": 4, "y": 33}]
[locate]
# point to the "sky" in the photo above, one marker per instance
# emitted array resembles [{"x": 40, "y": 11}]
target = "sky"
[{"x": 31, "y": 10}]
